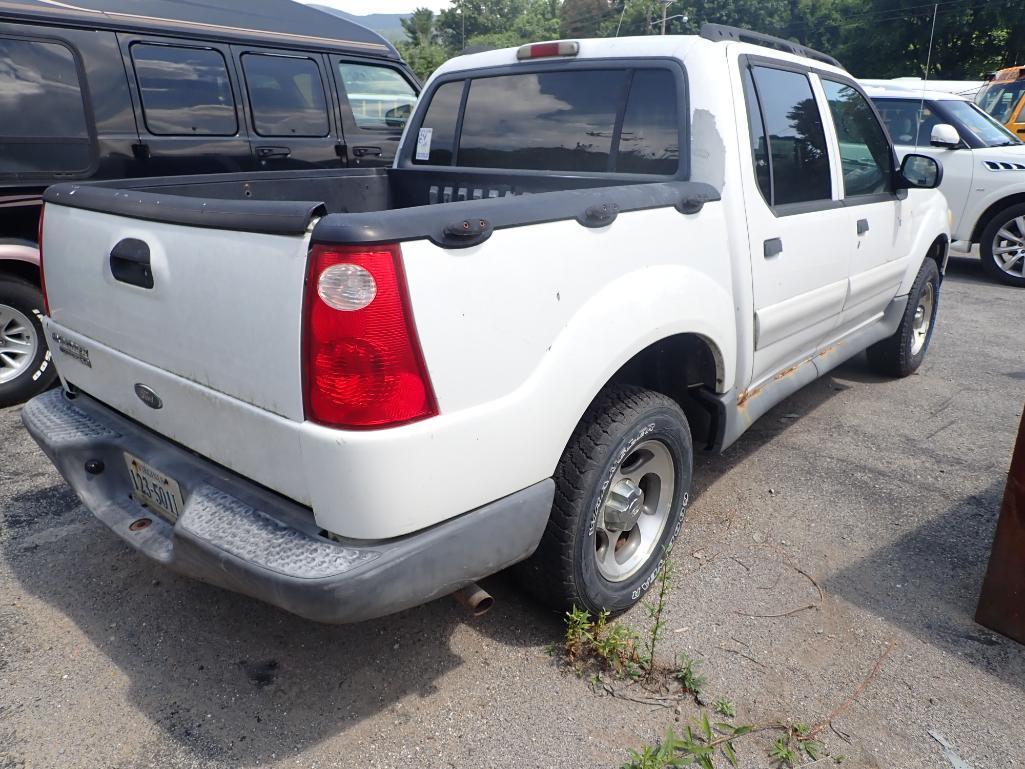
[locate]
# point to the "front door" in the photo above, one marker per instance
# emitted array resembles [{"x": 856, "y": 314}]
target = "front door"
[
  {"x": 910, "y": 122},
  {"x": 881, "y": 251},
  {"x": 798, "y": 238},
  {"x": 376, "y": 101}
]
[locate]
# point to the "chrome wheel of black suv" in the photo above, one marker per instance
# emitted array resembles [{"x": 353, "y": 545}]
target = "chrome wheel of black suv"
[{"x": 25, "y": 367}]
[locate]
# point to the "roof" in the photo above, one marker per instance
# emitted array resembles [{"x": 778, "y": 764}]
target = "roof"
[
  {"x": 891, "y": 92},
  {"x": 267, "y": 22},
  {"x": 966, "y": 88},
  {"x": 640, "y": 47}
]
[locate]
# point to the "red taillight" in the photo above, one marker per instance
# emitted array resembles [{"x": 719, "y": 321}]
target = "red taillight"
[
  {"x": 42, "y": 275},
  {"x": 363, "y": 366}
]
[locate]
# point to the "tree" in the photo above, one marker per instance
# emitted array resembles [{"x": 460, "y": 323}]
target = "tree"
[
  {"x": 419, "y": 27},
  {"x": 583, "y": 18}
]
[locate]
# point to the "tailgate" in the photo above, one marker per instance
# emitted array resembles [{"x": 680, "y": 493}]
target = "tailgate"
[{"x": 224, "y": 310}]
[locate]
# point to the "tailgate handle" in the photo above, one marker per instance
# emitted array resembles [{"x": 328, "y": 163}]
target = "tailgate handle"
[{"x": 129, "y": 263}]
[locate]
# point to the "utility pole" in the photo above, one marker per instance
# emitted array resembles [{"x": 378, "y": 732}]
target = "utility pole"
[{"x": 665, "y": 8}]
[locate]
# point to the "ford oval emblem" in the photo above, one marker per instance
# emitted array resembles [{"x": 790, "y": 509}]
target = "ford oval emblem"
[{"x": 147, "y": 396}]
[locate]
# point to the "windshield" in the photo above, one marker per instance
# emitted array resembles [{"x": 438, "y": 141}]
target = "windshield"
[
  {"x": 979, "y": 124},
  {"x": 999, "y": 99}
]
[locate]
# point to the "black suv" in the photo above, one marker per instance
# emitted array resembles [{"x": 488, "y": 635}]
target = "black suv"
[{"x": 104, "y": 90}]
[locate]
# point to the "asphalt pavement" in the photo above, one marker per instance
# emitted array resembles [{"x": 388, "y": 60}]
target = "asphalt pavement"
[{"x": 884, "y": 494}]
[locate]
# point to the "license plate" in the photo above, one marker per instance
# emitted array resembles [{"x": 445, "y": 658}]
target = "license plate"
[{"x": 153, "y": 489}]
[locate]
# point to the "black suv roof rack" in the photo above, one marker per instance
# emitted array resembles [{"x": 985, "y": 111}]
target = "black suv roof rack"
[{"x": 718, "y": 32}]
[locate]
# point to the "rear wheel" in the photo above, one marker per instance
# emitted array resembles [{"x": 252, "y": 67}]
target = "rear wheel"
[
  {"x": 1002, "y": 246},
  {"x": 901, "y": 354},
  {"x": 25, "y": 366},
  {"x": 622, "y": 486}
]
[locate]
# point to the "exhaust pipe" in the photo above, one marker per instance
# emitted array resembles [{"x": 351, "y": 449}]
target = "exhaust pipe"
[{"x": 474, "y": 599}]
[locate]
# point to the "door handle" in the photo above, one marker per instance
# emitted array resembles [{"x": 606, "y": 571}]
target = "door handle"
[
  {"x": 862, "y": 226},
  {"x": 366, "y": 151},
  {"x": 273, "y": 152},
  {"x": 129, "y": 263},
  {"x": 772, "y": 247}
]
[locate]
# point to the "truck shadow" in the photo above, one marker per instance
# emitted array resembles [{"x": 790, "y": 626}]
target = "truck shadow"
[
  {"x": 709, "y": 466},
  {"x": 927, "y": 582},
  {"x": 229, "y": 678},
  {"x": 968, "y": 269}
]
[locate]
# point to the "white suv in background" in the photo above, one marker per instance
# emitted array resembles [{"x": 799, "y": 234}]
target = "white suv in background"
[{"x": 983, "y": 171}]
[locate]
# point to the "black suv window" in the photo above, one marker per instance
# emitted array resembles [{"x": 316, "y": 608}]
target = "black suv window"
[
  {"x": 650, "y": 140},
  {"x": 379, "y": 97},
  {"x": 185, "y": 91},
  {"x": 286, "y": 95},
  {"x": 44, "y": 127},
  {"x": 864, "y": 150},
  {"x": 798, "y": 160},
  {"x": 568, "y": 120}
]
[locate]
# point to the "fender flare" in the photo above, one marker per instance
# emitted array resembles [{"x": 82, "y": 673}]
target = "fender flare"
[{"x": 682, "y": 301}]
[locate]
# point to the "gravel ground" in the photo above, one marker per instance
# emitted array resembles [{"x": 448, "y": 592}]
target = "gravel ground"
[{"x": 884, "y": 493}]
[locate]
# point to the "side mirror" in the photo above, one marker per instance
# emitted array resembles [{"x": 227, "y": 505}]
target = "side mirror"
[
  {"x": 920, "y": 172},
  {"x": 397, "y": 116},
  {"x": 945, "y": 135}
]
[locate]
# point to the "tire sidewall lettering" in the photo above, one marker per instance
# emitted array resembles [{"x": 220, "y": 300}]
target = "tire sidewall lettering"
[{"x": 592, "y": 523}]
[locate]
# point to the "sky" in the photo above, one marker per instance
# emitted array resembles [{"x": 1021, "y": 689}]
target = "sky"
[{"x": 363, "y": 7}]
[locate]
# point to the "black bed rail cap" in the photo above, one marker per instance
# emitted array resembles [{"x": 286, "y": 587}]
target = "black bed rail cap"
[
  {"x": 272, "y": 217},
  {"x": 720, "y": 32}
]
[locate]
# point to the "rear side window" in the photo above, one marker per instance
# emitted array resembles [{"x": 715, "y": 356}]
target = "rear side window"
[
  {"x": 864, "y": 150},
  {"x": 602, "y": 120},
  {"x": 44, "y": 127},
  {"x": 286, "y": 95},
  {"x": 379, "y": 97},
  {"x": 185, "y": 91},
  {"x": 557, "y": 121},
  {"x": 650, "y": 139},
  {"x": 799, "y": 163},
  {"x": 439, "y": 126}
]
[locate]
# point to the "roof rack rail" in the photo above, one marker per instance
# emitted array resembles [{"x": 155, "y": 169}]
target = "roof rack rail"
[{"x": 718, "y": 32}]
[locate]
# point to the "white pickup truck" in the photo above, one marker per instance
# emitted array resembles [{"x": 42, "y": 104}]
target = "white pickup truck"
[{"x": 349, "y": 392}]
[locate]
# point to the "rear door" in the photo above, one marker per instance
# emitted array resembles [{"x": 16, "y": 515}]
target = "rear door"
[
  {"x": 875, "y": 214},
  {"x": 797, "y": 226},
  {"x": 188, "y": 107},
  {"x": 291, "y": 121},
  {"x": 376, "y": 101}
]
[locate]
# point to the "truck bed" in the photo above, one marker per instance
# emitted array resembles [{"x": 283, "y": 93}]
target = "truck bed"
[{"x": 285, "y": 202}]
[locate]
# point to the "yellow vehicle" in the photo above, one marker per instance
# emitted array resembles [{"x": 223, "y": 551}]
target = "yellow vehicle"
[{"x": 1003, "y": 97}]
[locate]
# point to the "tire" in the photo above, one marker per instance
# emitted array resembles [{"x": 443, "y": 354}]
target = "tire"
[
  {"x": 900, "y": 355},
  {"x": 1006, "y": 230},
  {"x": 25, "y": 365},
  {"x": 584, "y": 560}
]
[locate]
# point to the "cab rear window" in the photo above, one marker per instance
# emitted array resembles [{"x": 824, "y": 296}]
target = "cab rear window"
[{"x": 580, "y": 120}]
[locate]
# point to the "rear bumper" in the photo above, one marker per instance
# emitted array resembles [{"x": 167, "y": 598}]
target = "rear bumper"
[{"x": 242, "y": 537}]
